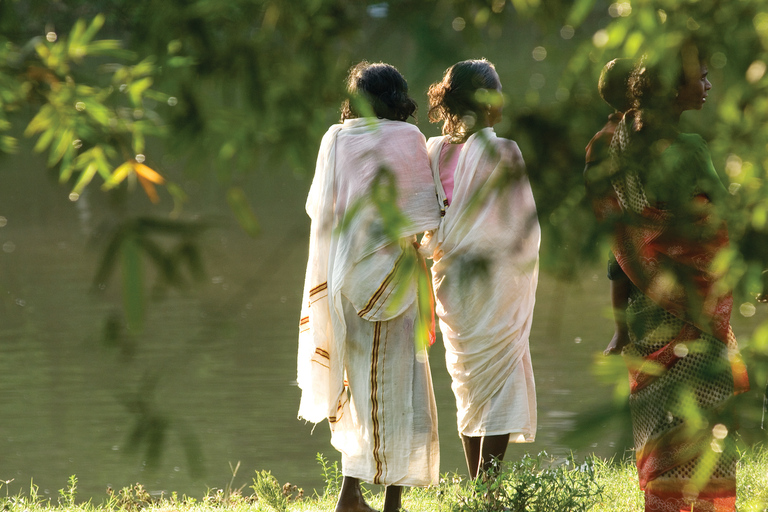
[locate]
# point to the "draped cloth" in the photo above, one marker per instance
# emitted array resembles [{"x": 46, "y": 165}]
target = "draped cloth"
[
  {"x": 485, "y": 274},
  {"x": 682, "y": 358},
  {"x": 371, "y": 193}
]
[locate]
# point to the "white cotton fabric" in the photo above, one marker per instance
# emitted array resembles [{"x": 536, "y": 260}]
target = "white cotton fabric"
[
  {"x": 485, "y": 274},
  {"x": 386, "y": 382},
  {"x": 352, "y": 257}
]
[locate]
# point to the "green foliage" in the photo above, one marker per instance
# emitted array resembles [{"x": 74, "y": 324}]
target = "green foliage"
[
  {"x": 331, "y": 476},
  {"x": 92, "y": 116},
  {"x": 536, "y": 484},
  {"x": 67, "y": 496},
  {"x": 269, "y": 492},
  {"x": 129, "y": 499}
]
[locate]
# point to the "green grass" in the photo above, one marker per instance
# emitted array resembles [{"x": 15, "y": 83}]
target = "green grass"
[{"x": 531, "y": 484}]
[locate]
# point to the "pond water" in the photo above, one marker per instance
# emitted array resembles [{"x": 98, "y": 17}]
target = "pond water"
[{"x": 216, "y": 362}]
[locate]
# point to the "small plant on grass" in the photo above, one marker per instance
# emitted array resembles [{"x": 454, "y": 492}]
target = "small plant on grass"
[
  {"x": 269, "y": 492},
  {"x": 534, "y": 485},
  {"x": 67, "y": 496},
  {"x": 331, "y": 475},
  {"x": 130, "y": 499}
]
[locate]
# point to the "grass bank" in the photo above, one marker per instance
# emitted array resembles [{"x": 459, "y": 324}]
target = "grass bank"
[{"x": 531, "y": 484}]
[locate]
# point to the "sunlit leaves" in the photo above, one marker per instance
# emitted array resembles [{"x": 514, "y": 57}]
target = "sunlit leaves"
[
  {"x": 92, "y": 127},
  {"x": 612, "y": 370}
]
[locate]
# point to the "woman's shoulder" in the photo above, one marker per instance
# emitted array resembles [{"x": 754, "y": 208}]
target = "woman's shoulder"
[
  {"x": 509, "y": 149},
  {"x": 691, "y": 140},
  {"x": 436, "y": 142},
  {"x": 399, "y": 126}
]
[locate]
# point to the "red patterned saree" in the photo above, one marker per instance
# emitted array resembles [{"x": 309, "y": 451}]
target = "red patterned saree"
[{"x": 682, "y": 358}]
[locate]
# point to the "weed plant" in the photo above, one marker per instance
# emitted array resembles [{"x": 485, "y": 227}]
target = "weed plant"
[{"x": 531, "y": 484}]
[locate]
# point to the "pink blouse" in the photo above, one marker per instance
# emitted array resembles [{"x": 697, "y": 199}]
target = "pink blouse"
[{"x": 449, "y": 159}]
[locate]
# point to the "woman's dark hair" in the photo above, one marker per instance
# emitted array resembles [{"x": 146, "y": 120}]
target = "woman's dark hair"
[
  {"x": 455, "y": 97},
  {"x": 382, "y": 87},
  {"x": 653, "y": 84},
  {"x": 613, "y": 85}
]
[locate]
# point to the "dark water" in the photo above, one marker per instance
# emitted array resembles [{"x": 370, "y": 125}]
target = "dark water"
[{"x": 217, "y": 360}]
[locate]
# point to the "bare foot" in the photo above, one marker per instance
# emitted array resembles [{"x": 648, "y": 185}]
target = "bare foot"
[
  {"x": 618, "y": 342},
  {"x": 351, "y": 497}
]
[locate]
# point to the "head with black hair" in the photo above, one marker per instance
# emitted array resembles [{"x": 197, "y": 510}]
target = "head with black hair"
[
  {"x": 382, "y": 88},
  {"x": 466, "y": 99},
  {"x": 613, "y": 85},
  {"x": 667, "y": 86}
]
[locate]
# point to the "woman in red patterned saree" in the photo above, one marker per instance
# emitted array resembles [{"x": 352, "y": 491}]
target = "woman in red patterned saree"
[{"x": 682, "y": 356}]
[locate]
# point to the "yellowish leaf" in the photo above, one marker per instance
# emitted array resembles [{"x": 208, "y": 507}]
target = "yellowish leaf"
[
  {"x": 118, "y": 175},
  {"x": 149, "y": 188},
  {"x": 147, "y": 173}
]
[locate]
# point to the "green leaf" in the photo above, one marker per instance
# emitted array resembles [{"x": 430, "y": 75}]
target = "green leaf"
[
  {"x": 109, "y": 47},
  {"x": 85, "y": 177},
  {"x": 65, "y": 142},
  {"x": 133, "y": 278},
  {"x": 138, "y": 139},
  {"x": 93, "y": 28},
  {"x": 579, "y": 12},
  {"x": 77, "y": 33},
  {"x": 137, "y": 88},
  {"x": 118, "y": 175},
  {"x": 44, "y": 140},
  {"x": 238, "y": 203},
  {"x": 8, "y": 144},
  {"x": 42, "y": 121}
]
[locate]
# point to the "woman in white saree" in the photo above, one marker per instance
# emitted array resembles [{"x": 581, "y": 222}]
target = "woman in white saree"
[
  {"x": 357, "y": 365},
  {"x": 485, "y": 268}
]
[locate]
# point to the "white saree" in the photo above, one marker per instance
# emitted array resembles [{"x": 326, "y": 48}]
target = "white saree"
[
  {"x": 357, "y": 365},
  {"x": 485, "y": 274}
]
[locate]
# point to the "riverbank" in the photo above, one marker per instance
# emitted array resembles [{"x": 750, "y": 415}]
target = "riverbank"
[{"x": 531, "y": 484}]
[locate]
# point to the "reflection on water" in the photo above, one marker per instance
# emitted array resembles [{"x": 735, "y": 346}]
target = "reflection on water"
[{"x": 216, "y": 364}]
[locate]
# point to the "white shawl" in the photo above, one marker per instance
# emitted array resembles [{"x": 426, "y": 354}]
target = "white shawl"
[
  {"x": 485, "y": 273},
  {"x": 367, "y": 169}
]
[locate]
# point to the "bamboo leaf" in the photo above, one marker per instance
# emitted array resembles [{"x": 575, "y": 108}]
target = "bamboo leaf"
[
  {"x": 148, "y": 173},
  {"x": 238, "y": 203},
  {"x": 138, "y": 140},
  {"x": 93, "y": 28},
  {"x": 165, "y": 265},
  {"x": 118, "y": 175},
  {"x": 8, "y": 144},
  {"x": 77, "y": 32},
  {"x": 98, "y": 112},
  {"x": 137, "y": 88},
  {"x": 190, "y": 253},
  {"x": 42, "y": 121},
  {"x": 44, "y": 140},
  {"x": 109, "y": 259},
  {"x": 85, "y": 177},
  {"x": 149, "y": 188},
  {"x": 110, "y": 47},
  {"x": 133, "y": 278},
  {"x": 65, "y": 142},
  {"x": 75, "y": 48},
  {"x": 43, "y": 51}
]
